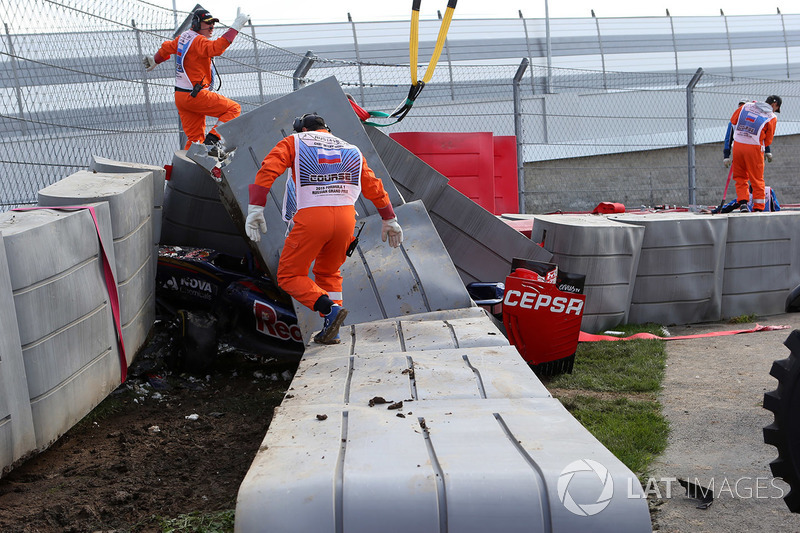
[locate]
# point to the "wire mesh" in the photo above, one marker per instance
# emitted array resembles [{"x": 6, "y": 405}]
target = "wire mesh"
[{"x": 72, "y": 85}]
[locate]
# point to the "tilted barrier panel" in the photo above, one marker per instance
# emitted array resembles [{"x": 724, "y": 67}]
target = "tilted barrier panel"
[
  {"x": 480, "y": 245},
  {"x": 506, "y": 180},
  {"x": 193, "y": 212}
]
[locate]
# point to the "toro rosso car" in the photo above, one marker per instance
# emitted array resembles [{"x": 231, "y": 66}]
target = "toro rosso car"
[{"x": 213, "y": 297}]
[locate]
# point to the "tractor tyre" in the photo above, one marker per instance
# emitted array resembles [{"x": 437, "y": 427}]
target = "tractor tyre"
[{"x": 784, "y": 432}]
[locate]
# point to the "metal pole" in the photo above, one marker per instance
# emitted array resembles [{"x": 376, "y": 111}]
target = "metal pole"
[
  {"x": 17, "y": 86},
  {"x": 674, "y": 48},
  {"x": 258, "y": 66},
  {"x": 147, "y": 105},
  {"x": 175, "y": 14},
  {"x": 449, "y": 62},
  {"x": 728, "y": 35},
  {"x": 358, "y": 59},
  {"x": 549, "y": 49},
  {"x": 690, "y": 137},
  {"x": 602, "y": 55},
  {"x": 785, "y": 42},
  {"x": 518, "y": 133},
  {"x": 302, "y": 69},
  {"x": 530, "y": 55}
]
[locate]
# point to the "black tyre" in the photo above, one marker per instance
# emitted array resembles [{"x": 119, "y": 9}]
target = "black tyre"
[
  {"x": 792, "y": 304},
  {"x": 784, "y": 432},
  {"x": 195, "y": 342}
]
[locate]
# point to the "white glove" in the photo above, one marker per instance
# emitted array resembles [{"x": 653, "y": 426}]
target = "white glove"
[
  {"x": 391, "y": 229},
  {"x": 727, "y": 162},
  {"x": 255, "y": 224},
  {"x": 241, "y": 20},
  {"x": 769, "y": 156},
  {"x": 149, "y": 62}
]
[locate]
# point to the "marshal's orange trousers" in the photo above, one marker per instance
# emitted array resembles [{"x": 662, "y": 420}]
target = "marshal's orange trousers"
[
  {"x": 193, "y": 113},
  {"x": 321, "y": 236},
  {"x": 748, "y": 167}
]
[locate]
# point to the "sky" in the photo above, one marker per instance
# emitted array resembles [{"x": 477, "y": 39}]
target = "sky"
[{"x": 262, "y": 12}]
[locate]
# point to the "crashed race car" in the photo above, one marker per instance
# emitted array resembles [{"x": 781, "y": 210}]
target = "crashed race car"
[{"x": 212, "y": 298}]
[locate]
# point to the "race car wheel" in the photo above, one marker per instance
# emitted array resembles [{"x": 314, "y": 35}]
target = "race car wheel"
[
  {"x": 784, "y": 432},
  {"x": 195, "y": 342}
]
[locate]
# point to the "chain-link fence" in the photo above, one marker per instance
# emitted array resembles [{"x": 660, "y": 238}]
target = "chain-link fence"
[{"x": 72, "y": 85}]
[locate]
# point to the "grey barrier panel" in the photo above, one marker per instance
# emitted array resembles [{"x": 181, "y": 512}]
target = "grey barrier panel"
[
  {"x": 457, "y": 373},
  {"x": 480, "y": 245},
  {"x": 606, "y": 251},
  {"x": 454, "y": 465},
  {"x": 382, "y": 282},
  {"x": 102, "y": 164},
  {"x": 17, "y": 437},
  {"x": 256, "y": 132},
  {"x": 130, "y": 199},
  {"x": 251, "y": 136},
  {"x": 468, "y": 327},
  {"x": 679, "y": 278},
  {"x": 470, "y": 440},
  {"x": 64, "y": 318},
  {"x": 193, "y": 213},
  {"x": 110, "y": 166},
  {"x": 762, "y": 262}
]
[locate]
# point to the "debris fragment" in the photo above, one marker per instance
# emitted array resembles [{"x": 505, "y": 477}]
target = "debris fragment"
[
  {"x": 193, "y": 416},
  {"x": 698, "y": 492},
  {"x": 322, "y": 417},
  {"x": 396, "y": 405},
  {"x": 378, "y": 400}
]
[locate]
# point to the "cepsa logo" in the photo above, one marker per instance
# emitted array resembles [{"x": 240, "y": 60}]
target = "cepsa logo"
[
  {"x": 535, "y": 300},
  {"x": 267, "y": 323}
]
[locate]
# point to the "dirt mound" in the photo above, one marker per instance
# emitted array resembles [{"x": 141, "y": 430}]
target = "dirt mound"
[{"x": 160, "y": 446}]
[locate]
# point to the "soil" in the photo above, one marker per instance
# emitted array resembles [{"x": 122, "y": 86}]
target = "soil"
[{"x": 141, "y": 456}]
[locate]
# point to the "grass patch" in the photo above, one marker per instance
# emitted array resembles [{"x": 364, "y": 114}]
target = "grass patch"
[
  {"x": 196, "y": 522},
  {"x": 612, "y": 391},
  {"x": 616, "y": 366},
  {"x": 743, "y": 319},
  {"x": 634, "y": 431}
]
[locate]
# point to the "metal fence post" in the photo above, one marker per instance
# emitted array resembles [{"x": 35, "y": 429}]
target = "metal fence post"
[
  {"x": 449, "y": 62},
  {"x": 358, "y": 59},
  {"x": 528, "y": 46},
  {"x": 301, "y": 70},
  {"x": 18, "y": 88},
  {"x": 147, "y": 106},
  {"x": 728, "y": 36},
  {"x": 549, "y": 48},
  {"x": 602, "y": 55},
  {"x": 674, "y": 48},
  {"x": 786, "y": 44},
  {"x": 690, "y": 137},
  {"x": 518, "y": 133},
  {"x": 258, "y": 63}
]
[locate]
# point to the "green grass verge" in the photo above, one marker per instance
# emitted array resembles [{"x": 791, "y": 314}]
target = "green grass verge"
[
  {"x": 634, "y": 431},
  {"x": 219, "y": 522},
  {"x": 612, "y": 392},
  {"x": 616, "y": 366}
]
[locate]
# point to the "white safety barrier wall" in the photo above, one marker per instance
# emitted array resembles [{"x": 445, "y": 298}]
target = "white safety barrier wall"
[
  {"x": 130, "y": 198},
  {"x": 689, "y": 267},
  {"x": 64, "y": 317},
  {"x": 469, "y": 440},
  {"x": 64, "y": 267}
]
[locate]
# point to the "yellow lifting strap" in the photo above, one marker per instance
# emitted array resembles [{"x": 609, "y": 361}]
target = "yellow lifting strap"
[{"x": 413, "y": 43}]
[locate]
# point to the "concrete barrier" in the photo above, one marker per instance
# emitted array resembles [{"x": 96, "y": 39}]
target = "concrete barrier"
[{"x": 64, "y": 318}]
